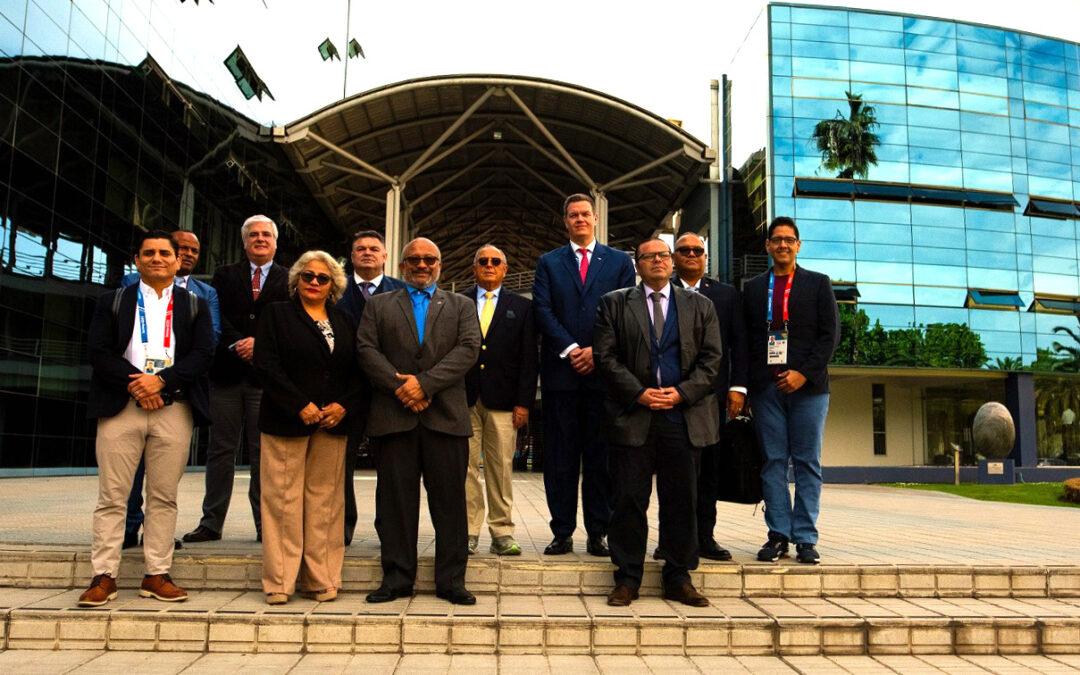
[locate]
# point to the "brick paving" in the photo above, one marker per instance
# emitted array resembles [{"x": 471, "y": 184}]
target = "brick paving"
[{"x": 859, "y": 524}]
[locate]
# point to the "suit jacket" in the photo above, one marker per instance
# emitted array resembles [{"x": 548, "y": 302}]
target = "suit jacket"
[
  {"x": 566, "y": 309},
  {"x": 108, "y": 339},
  {"x": 199, "y": 288},
  {"x": 240, "y": 316},
  {"x": 297, "y": 367},
  {"x": 621, "y": 349},
  {"x": 387, "y": 343},
  {"x": 813, "y": 329},
  {"x": 729, "y": 312},
  {"x": 353, "y": 301},
  {"x": 504, "y": 374}
]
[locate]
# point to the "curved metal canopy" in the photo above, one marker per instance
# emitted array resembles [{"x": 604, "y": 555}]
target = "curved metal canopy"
[{"x": 465, "y": 160}]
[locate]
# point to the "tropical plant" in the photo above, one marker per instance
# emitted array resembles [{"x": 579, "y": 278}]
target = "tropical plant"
[
  {"x": 1068, "y": 355},
  {"x": 847, "y": 143},
  {"x": 937, "y": 345},
  {"x": 1008, "y": 363}
]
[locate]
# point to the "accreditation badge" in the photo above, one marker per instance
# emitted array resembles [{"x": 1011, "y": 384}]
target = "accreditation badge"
[
  {"x": 154, "y": 366},
  {"x": 776, "y": 351}
]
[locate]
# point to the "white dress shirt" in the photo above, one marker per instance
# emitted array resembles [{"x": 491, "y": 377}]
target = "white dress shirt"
[
  {"x": 136, "y": 353},
  {"x": 374, "y": 282}
]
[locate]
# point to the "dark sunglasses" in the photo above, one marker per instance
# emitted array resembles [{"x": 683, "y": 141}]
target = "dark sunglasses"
[
  {"x": 312, "y": 278},
  {"x": 690, "y": 251},
  {"x": 484, "y": 262},
  {"x": 428, "y": 260}
]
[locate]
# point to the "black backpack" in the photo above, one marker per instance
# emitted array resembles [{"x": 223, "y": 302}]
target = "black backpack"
[{"x": 740, "y": 463}]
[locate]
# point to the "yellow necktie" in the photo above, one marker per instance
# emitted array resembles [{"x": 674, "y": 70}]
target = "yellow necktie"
[{"x": 487, "y": 313}]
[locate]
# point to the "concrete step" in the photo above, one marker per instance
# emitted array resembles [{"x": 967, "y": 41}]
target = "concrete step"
[
  {"x": 69, "y": 568},
  {"x": 238, "y": 621}
]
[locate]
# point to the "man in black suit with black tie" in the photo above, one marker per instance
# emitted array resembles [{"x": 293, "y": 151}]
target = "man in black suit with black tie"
[
  {"x": 730, "y": 387},
  {"x": 243, "y": 288},
  {"x": 501, "y": 388},
  {"x": 368, "y": 256}
]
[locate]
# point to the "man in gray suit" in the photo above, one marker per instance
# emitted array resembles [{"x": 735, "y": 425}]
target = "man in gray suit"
[
  {"x": 416, "y": 344},
  {"x": 657, "y": 349}
]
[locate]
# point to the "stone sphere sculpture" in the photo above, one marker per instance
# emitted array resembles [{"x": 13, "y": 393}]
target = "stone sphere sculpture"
[{"x": 994, "y": 431}]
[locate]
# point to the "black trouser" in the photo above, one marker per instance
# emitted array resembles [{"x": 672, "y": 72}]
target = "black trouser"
[
  {"x": 667, "y": 452},
  {"x": 707, "y": 486},
  {"x": 401, "y": 460},
  {"x": 351, "y": 448},
  {"x": 234, "y": 413},
  {"x": 573, "y": 447}
]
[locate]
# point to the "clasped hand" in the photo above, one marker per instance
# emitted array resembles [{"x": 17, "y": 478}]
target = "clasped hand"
[
  {"x": 327, "y": 417},
  {"x": 411, "y": 394},
  {"x": 581, "y": 360},
  {"x": 663, "y": 398},
  {"x": 146, "y": 389}
]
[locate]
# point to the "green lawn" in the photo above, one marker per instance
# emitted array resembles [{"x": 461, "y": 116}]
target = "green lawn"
[{"x": 1045, "y": 494}]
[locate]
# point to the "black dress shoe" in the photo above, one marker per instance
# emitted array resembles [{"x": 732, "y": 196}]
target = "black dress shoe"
[
  {"x": 597, "y": 545},
  {"x": 202, "y": 533},
  {"x": 559, "y": 546},
  {"x": 258, "y": 537},
  {"x": 658, "y": 554},
  {"x": 457, "y": 596},
  {"x": 131, "y": 539},
  {"x": 711, "y": 550},
  {"x": 386, "y": 594}
]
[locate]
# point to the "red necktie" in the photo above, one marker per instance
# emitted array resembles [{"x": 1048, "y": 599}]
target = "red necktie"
[
  {"x": 255, "y": 285},
  {"x": 584, "y": 268}
]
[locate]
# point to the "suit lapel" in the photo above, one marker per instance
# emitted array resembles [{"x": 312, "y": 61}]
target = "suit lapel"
[
  {"x": 596, "y": 264},
  {"x": 636, "y": 300},
  {"x": 570, "y": 261},
  {"x": 500, "y": 309},
  {"x": 125, "y": 320},
  {"x": 404, "y": 303},
  {"x": 438, "y": 299},
  {"x": 686, "y": 328},
  {"x": 313, "y": 328}
]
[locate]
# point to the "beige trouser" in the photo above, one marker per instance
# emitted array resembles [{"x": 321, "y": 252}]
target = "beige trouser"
[
  {"x": 303, "y": 512},
  {"x": 493, "y": 435},
  {"x": 163, "y": 436}
]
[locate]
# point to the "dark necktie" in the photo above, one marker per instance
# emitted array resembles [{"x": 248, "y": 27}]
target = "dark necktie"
[
  {"x": 657, "y": 315},
  {"x": 365, "y": 288},
  {"x": 256, "y": 286}
]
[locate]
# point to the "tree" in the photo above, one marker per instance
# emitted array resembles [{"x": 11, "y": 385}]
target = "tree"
[
  {"x": 1045, "y": 361},
  {"x": 847, "y": 144},
  {"x": 1008, "y": 363},
  {"x": 938, "y": 345},
  {"x": 952, "y": 345},
  {"x": 1068, "y": 356}
]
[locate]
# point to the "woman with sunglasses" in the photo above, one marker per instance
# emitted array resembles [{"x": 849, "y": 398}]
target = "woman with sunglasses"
[{"x": 313, "y": 397}]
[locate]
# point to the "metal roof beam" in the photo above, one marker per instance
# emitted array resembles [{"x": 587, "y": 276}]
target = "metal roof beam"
[
  {"x": 551, "y": 138},
  {"x": 639, "y": 183},
  {"x": 361, "y": 195},
  {"x": 631, "y": 205},
  {"x": 640, "y": 170},
  {"x": 454, "y": 176},
  {"x": 541, "y": 149},
  {"x": 348, "y": 169},
  {"x": 453, "y": 201},
  {"x": 461, "y": 216},
  {"x": 535, "y": 174},
  {"x": 530, "y": 193},
  {"x": 352, "y": 158},
  {"x": 452, "y": 149},
  {"x": 417, "y": 166}
]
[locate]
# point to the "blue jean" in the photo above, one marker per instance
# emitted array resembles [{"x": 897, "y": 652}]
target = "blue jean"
[{"x": 790, "y": 427}]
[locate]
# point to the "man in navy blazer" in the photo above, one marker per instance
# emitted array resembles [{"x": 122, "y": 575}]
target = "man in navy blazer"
[
  {"x": 689, "y": 259},
  {"x": 149, "y": 355},
  {"x": 368, "y": 256},
  {"x": 188, "y": 252},
  {"x": 793, "y": 328},
  {"x": 566, "y": 293}
]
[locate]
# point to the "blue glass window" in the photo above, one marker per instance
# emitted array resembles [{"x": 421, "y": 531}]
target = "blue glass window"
[
  {"x": 941, "y": 157},
  {"x": 11, "y": 38},
  {"x": 780, "y": 30},
  {"x": 984, "y": 104},
  {"x": 884, "y": 293},
  {"x": 980, "y": 34},
  {"x": 781, "y": 65},
  {"x": 819, "y": 50},
  {"x": 881, "y": 233},
  {"x": 984, "y": 124},
  {"x": 937, "y": 98},
  {"x": 1056, "y": 284},
  {"x": 1050, "y": 187},
  {"x": 1054, "y": 265},
  {"x": 931, "y": 117},
  {"x": 890, "y": 316},
  {"x": 929, "y": 174},
  {"x": 825, "y": 210},
  {"x": 883, "y": 253},
  {"x": 948, "y": 311},
  {"x": 983, "y": 84},
  {"x": 881, "y": 212},
  {"x": 876, "y": 54},
  {"x": 942, "y": 275},
  {"x": 980, "y": 277},
  {"x": 920, "y": 26},
  {"x": 987, "y": 162},
  {"x": 1045, "y": 93},
  {"x": 934, "y": 138},
  {"x": 823, "y": 230},
  {"x": 821, "y": 33},
  {"x": 824, "y": 17},
  {"x": 971, "y": 141},
  {"x": 43, "y": 36},
  {"x": 1002, "y": 242},
  {"x": 937, "y": 78},
  {"x": 878, "y": 38},
  {"x": 834, "y": 269},
  {"x": 937, "y": 256},
  {"x": 835, "y": 250},
  {"x": 826, "y": 68},
  {"x": 883, "y": 22},
  {"x": 1048, "y": 152},
  {"x": 878, "y": 72}
]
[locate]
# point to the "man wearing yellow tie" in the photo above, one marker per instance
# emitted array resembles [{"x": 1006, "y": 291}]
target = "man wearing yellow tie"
[{"x": 501, "y": 388}]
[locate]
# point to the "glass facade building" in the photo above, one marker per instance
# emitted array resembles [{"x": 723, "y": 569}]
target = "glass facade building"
[{"x": 970, "y": 213}]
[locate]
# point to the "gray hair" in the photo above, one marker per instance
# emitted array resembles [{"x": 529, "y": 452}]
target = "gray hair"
[
  {"x": 337, "y": 273},
  {"x": 246, "y": 227},
  {"x": 476, "y": 256}
]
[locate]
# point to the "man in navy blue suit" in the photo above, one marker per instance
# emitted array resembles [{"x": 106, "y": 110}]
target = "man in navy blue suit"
[
  {"x": 566, "y": 293},
  {"x": 188, "y": 253},
  {"x": 368, "y": 255}
]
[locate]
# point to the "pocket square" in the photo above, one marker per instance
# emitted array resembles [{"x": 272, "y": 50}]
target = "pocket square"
[{"x": 510, "y": 314}]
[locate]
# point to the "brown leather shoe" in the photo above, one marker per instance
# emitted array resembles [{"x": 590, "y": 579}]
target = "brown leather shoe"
[
  {"x": 622, "y": 596},
  {"x": 102, "y": 589},
  {"x": 686, "y": 594},
  {"x": 161, "y": 586}
]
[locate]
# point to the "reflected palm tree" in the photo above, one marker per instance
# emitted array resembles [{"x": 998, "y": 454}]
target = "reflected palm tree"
[
  {"x": 847, "y": 144},
  {"x": 1068, "y": 355}
]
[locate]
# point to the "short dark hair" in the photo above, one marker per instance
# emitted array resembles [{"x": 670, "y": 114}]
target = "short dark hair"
[
  {"x": 783, "y": 221},
  {"x": 577, "y": 197},
  {"x": 637, "y": 249},
  {"x": 156, "y": 234},
  {"x": 366, "y": 234}
]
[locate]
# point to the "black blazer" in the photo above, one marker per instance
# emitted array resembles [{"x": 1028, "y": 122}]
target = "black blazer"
[
  {"x": 296, "y": 368},
  {"x": 504, "y": 374},
  {"x": 108, "y": 339},
  {"x": 353, "y": 301},
  {"x": 813, "y": 329},
  {"x": 729, "y": 311},
  {"x": 240, "y": 315}
]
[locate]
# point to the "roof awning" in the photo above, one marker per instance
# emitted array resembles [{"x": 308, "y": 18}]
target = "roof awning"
[
  {"x": 989, "y": 299},
  {"x": 1055, "y": 305}
]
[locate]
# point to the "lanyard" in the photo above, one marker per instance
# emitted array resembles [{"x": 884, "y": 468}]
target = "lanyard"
[
  {"x": 769, "y": 299},
  {"x": 142, "y": 322}
]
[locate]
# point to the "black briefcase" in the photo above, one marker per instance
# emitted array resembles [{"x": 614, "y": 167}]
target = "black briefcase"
[{"x": 739, "y": 464}]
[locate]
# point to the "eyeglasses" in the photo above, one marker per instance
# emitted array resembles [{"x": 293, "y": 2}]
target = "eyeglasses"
[
  {"x": 310, "y": 277},
  {"x": 484, "y": 262},
  {"x": 776, "y": 241},
  {"x": 428, "y": 260},
  {"x": 690, "y": 251},
  {"x": 649, "y": 257}
]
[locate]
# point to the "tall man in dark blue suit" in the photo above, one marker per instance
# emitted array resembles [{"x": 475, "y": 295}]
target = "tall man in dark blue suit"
[
  {"x": 730, "y": 383},
  {"x": 566, "y": 292},
  {"x": 368, "y": 255}
]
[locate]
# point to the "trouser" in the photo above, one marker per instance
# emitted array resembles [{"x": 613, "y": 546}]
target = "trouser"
[
  {"x": 790, "y": 427},
  {"x": 667, "y": 452},
  {"x": 441, "y": 460},
  {"x": 303, "y": 509},
  {"x": 234, "y": 412},
  {"x": 573, "y": 447},
  {"x": 494, "y": 438},
  {"x": 351, "y": 514},
  {"x": 135, "y": 516},
  {"x": 161, "y": 436},
  {"x": 708, "y": 484}
]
